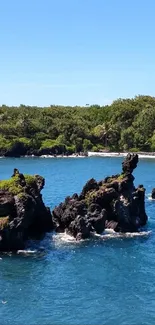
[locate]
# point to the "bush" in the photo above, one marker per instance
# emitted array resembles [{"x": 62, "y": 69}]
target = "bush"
[
  {"x": 87, "y": 145},
  {"x": 25, "y": 141},
  {"x": 134, "y": 150},
  {"x": 50, "y": 147},
  {"x": 70, "y": 150},
  {"x": 48, "y": 143},
  {"x": 12, "y": 185},
  {"x": 5, "y": 144},
  {"x": 99, "y": 148}
]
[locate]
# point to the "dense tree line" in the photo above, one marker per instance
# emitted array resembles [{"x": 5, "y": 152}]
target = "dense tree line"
[{"x": 126, "y": 124}]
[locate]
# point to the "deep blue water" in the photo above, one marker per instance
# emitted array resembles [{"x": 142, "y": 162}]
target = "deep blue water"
[{"x": 108, "y": 281}]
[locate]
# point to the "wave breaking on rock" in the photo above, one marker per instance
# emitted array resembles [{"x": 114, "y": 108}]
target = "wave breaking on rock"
[{"x": 112, "y": 206}]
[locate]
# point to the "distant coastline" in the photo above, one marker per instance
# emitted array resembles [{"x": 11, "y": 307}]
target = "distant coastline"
[
  {"x": 120, "y": 154},
  {"x": 150, "y": 155},
  {"x": 125, "y": 125}
]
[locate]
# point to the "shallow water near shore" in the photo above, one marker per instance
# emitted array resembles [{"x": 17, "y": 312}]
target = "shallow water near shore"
[{"x": 109, "y": 279}]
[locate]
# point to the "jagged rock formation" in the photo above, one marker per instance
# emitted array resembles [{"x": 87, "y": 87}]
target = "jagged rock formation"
[
  {"x": 23, "y": 214},
  {"x": 111, "y": 203}
]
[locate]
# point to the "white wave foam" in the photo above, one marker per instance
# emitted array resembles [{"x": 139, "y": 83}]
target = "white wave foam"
[
  {"x": 63, "y": 237},
  {"x": 60, "y": 238},
  {"x": 110, "y": 233},
  {"x": 93, "y": 154},
  {"x": 149, "y": 197},
  {"x": 61, "y": 156},
  {"x": 26, "y": 252},
  {"x": 120, "y": 154},
  {"x": 106, "y": 154}
]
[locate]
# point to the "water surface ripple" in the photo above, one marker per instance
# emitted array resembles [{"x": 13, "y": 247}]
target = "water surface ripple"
[{"x": 103, "y": 281}]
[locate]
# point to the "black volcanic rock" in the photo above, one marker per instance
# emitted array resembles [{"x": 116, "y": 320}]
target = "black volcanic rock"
[
  {"x": 153, "y": 193},
  {"x": 130, "y": 163},
  {"x": 111, "y": 203},
  {"x": 23, "y": 214}
]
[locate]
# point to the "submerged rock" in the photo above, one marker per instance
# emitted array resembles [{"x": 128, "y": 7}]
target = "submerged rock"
[
  {"x": 111, "y": 203},
  {"x": 23, "y": 214}
]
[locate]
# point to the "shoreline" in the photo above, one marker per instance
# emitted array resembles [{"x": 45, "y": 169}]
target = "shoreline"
[
  {"x": 144, "y": 155},
  {"x": 121, "y": 154}
]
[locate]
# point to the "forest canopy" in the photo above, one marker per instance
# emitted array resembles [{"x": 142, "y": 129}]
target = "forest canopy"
[{"x": 126, "y": 124}]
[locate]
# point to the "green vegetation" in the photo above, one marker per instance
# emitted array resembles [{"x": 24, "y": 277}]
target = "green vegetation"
[
  {"x": 90, "y": 196},
  {"x": 121, "y": 177},
  {"x": 30, "y": 180},
  {"x": 13, "y": 184},
  {"x": 126, "y": 124}
]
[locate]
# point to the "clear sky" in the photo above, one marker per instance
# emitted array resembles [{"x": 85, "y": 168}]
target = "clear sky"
[{"x": 76, "y": 51}]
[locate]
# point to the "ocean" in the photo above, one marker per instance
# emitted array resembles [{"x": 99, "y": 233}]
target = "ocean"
[{"x": 107, "y": 280}]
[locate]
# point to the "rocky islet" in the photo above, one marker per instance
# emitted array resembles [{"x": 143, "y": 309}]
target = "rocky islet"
[
  {"x": 23, "y": 214},
  {"x": 112, "y": 203}
]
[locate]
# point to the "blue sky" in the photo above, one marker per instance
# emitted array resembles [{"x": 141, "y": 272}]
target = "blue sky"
[{"x": 76, "y": 52}]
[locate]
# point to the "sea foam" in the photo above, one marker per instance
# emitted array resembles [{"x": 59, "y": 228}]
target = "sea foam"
[{"x": 60, "y": 238}]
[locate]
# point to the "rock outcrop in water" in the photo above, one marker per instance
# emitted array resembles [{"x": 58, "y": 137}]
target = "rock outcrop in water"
[
  {"x": 153, "y": 193},
  {"x": 111, "y": 203},
  {"x": 23, "y": 214}
]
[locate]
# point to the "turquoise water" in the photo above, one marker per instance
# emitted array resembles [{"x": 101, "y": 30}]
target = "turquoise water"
[{"x": 105, "y": 281}]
